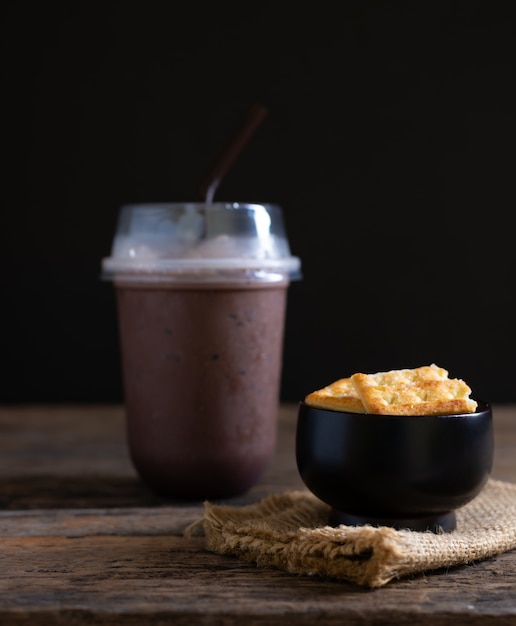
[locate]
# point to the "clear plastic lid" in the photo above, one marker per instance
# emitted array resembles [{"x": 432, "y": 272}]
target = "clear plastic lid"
[{"x": 200, "y": 242}]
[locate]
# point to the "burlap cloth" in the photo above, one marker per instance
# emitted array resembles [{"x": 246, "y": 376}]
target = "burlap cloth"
[{"x": 289, "y": 531}]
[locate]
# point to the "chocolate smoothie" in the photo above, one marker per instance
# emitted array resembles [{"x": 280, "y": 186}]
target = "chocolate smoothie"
[
  {"x": 201, "y": 374},
  {"x": 201, "y": 296}
]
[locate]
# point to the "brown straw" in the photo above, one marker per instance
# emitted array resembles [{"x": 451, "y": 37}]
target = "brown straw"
[{"x": 231, "y": 152}]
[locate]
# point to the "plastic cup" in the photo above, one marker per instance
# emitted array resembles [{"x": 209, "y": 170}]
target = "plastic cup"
[{"x": 201, "y": 299}]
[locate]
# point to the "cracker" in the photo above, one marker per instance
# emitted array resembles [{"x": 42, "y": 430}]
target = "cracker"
[
  {"x": 407, "y": 376},
  {"x": 339, "y": 396},
  {"x": 422, "y": 391}
]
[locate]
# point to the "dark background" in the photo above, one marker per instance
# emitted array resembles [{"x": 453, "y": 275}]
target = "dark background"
[{"x": 389, "y": 143}]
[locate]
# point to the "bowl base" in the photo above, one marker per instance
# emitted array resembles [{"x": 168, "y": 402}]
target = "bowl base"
[{"x": 437, "y": 524}]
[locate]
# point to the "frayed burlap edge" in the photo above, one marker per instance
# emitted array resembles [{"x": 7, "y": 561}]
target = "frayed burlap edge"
[{"x": 288, "y": 531}]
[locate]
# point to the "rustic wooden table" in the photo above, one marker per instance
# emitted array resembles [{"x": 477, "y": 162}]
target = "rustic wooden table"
[{"x": 82, "y": 541}]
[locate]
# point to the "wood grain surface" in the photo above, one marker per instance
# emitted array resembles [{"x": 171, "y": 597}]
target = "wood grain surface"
[{"x": 82, "y": 541}]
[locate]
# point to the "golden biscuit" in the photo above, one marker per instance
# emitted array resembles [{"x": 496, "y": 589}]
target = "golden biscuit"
[
  {"x": 339, "y": 396},
  {"x": 408, "y": 376},
  {"x": 423, "y": 392}
]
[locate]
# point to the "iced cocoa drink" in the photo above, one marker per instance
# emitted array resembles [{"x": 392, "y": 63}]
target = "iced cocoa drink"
[
  {"x": 201, "y": 377},
  {"x": 201, "y": 319}
]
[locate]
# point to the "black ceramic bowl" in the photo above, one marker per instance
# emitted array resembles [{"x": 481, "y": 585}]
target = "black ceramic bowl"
[{"x": 400, "y": 471}]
